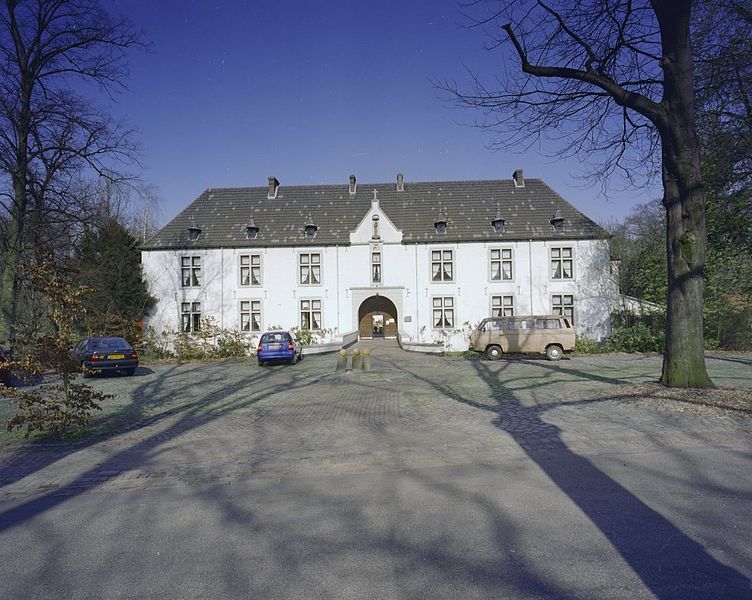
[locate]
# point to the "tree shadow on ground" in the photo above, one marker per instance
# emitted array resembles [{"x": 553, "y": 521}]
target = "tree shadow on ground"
[
  {"x": 667, "y": 560},
  {"x": 150, "y": 395}
]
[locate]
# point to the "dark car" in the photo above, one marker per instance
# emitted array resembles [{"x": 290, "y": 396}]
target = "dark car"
[
  {"x": 97, "y": 354},
  {"x": 278, "y": 345}
]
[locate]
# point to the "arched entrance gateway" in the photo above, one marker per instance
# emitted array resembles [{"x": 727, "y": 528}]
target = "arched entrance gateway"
[{"x": 377, "y": 318}]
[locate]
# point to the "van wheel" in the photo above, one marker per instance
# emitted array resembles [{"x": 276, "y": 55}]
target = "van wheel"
[
  {"x": 493, "y": 353},
  {"x": 554, "y": 352}
]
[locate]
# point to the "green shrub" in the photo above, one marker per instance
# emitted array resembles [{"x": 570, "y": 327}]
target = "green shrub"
[
  {"x": 637, "y": 338},
  {"x": 585, "y": 345},
  {"x": 211, "y": 341}
]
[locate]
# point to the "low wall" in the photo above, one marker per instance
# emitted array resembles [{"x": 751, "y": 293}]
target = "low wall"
[
  {"x": 348, "y": 339},
  {"x": 411, "y": 346}
]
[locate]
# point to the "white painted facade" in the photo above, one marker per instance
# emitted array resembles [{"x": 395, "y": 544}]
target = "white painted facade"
[{"x": 406, "y": 279}]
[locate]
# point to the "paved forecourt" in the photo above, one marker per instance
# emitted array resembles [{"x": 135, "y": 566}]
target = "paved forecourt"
[{"x": 427, "y": 476}]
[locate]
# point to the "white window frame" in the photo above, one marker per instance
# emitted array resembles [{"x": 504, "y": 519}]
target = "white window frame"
[
  {"x": 377, "y": 264},
  {"x": 562, "y": 307},
  {"x": 501, "y": 260},
  {"x": 191, "y": 265},
  {"x": 190, "y": 316},
  {"x": 444, "y": 305},
  {"x": 308, "y": 264},
  {"x": 249, "y": 307},
  {"x": 250, "y": 265},
  {"x": 504, "y": 306},
  {"x": 442, "y": 260},
  {"x": 311, "y": 310},
  {"x": 556, "y": 256}
]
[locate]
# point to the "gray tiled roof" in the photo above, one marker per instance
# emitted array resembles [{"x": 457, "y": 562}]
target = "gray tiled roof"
[{"x": 467, "y": 206}]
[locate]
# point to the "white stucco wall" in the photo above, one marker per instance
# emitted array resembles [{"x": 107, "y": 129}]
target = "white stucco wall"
[{"x": 406, "y": 280}]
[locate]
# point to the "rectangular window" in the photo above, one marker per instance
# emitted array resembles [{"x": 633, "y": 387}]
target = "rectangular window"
[
  {"x": 502, "y": 306},
  {"x": 443, "y": 312},
  {"x": 375, "y": 267},
  {"x": 501, "y": 264},
  {"x": 250, "y": 269},
  {"x": 250, "y": 315},
  {"x": 562, "y": 263},
  {"x": 310, "y": 314},
  {"x": 442, "y": 265},
  {"x": 190, "y": 271},
  {"x": 190, "y": 317},
  {"x": 310, "y": 268},
  {"x": 563, "y": 304}
]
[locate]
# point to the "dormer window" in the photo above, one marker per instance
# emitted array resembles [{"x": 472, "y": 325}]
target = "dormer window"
[
  {"x": 310, "y": 228},
  {"x": 497, "y": 222},
  {"x": 557, "y": 221},
  {"x": 251, "y": 230},
  {"x": 193, "y": 233},
  {"x": 440, "y": 225}
]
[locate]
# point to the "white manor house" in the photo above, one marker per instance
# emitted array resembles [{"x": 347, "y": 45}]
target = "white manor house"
[{"x": 423, "y": 260}]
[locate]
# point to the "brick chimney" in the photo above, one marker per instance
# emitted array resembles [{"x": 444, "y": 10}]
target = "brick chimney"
[
  {"x": 273, "y": 186},
  {"x": 353, "y": 185},
  {"x": 400, "y": 182}
]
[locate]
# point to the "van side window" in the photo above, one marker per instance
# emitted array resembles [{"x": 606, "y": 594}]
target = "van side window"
[{"x": 548, "y": 324}]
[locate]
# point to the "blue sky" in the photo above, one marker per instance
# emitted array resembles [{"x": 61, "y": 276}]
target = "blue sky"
[{"x": 232, "y": 92}]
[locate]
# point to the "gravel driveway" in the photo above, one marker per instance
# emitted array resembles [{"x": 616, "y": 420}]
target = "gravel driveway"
[{"x": 430, "y": 476}]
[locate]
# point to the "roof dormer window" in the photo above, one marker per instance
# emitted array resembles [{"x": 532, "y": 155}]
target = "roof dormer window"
[
  {"x": 311, "y": 228},
  {"x": 557, "y": 221},
  {"x": 498, "y": 222},
  {"x": 251, "y": 230},
  {"x": 440, "y": 224},
  {"x": 193, "y": 232}
]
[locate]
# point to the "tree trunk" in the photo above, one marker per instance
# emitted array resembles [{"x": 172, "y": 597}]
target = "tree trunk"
[{"x": 684, "y": 200}]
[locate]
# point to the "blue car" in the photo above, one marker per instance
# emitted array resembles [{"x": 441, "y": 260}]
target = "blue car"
[{"x": 278, "y": 345}]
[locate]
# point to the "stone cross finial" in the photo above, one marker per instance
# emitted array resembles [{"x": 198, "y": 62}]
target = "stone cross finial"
[{"x": 374, "y": 195}]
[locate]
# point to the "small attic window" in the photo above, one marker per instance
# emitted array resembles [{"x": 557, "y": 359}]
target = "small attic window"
[
  {"x": 193, "y": 233},
  {"x": 251, "y": 230},
  {"x": 310, "y": 228},
  {"x": 498, "y": 222},
  {"x": 557, "y": 221},
  {"x": 440, "y": 225}
]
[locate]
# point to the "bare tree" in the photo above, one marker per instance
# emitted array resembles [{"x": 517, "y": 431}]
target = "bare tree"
[
  {"x": 612, "y": 81},
  {"x": 50, "y": 135}
]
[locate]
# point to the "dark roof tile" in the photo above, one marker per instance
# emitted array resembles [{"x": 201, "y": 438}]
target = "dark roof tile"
[{"x": 467, "y": 206}]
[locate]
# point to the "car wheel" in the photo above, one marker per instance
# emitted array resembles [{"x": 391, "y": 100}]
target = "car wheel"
[
  {"x": 493, "y": 353},
  {"x": 294, "y": 359},
  {"x": 86, "y": 373},
  {"x": 261, "y": 363},
  {"x": 554, "y": 352}
]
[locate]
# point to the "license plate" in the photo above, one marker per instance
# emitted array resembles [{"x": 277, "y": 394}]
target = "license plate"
[
  {"x": 115, "y": 356},
  {"x": 275, "y": 346}
]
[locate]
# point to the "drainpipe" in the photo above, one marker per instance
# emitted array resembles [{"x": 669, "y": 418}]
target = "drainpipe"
[
  {"x": 339, "y": 323},
  {"x": 416, "y": 326},
  {"x": 222, "y": 288},
  {"x": 530, "y": 268}
]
